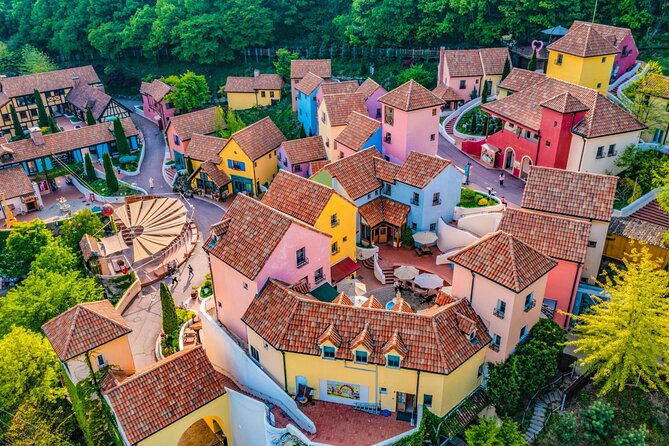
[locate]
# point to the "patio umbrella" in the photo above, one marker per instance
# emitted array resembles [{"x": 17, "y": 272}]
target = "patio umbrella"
[
  {"x": 351, "y": 287},
  {"x": 406, "y": 272},
  {"x": 425, "y": 237},
  {"x": 428, "y": 281},
  {"x": 556, "y": 31}
]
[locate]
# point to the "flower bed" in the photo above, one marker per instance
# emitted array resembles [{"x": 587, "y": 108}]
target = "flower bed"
[
  {"x": 99, "y": 186},
  {"x": 207, "y": 288},
  {"x": 472, "y": 199}
]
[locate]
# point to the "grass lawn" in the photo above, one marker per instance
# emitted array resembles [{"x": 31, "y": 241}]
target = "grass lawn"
[
  {"x": 473, "y": 122},
  {"x": 472, "y": 199},
  {"x": 99, "y": 186}
]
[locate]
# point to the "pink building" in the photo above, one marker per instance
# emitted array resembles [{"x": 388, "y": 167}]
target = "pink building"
[
  {"x": 372, "y": 91},
  {"x": 255, "y": 242},
  {"x": 300, "y": 67},
  {"x": 622, "y": 39},
  {"x": 327, "y": 88},
  {"x": 563, "y": 239},
  {"x": 181, "y": 129},
  {"x": 154, "y": 105},
  {"x": 410, "y": 121},
  {"x": 465, "y": 71},
  {"x": 297, "y": 155},
  {"x": 504, "y": 280}
]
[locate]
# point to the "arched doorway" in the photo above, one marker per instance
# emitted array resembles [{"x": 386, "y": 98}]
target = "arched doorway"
[
  {"x": 525, "y": 166},
  {"x": 509, "y": 159},
  {"x": 204, "y": 433}
]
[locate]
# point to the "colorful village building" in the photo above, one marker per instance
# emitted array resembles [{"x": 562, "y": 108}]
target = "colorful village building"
[
  {"x": 452, "y": 100},
  {"x": 254, "y": 242},
  {"x": 552, "y": 123},
  {"x": 361, "y": 132},
  {"x": 259, "y": 90},
  {"x": 333, "y": 112},
  {"x": 324, "y": 209},
  {"x": 328, "y": 88},
  {"x": 180, "y": 129},
  {"x": 372, "y": 91},
  {"x": 297, "y": 155},
  {"x": 299, "y": 69},
  {"x": 466, "y": 71},
  {"x": 504, "y": 281},
  {"x": 250, "y": 156},
  {"x": 366, "y": 355},
  {"x": 20, "y": 194},
  {"x": 63, "y": 91},
  {"x": 307, "y": 106},
  {"x": 410, "y": 119},
  {"x": 206, "y": 177},
  {"x": 154, "y": 105}
]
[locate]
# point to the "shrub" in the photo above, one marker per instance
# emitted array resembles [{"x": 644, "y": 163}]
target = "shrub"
[
  {"x": 407, "y": 237},
  {"x": 170, "y": 318},
  {"x": 483, "y": 202},
  {"x": 564, "y": 429},
  {"x": 467, "y": 195},
  {"x": 633, "y": 437},
  {"x": 597, "y": 422}
]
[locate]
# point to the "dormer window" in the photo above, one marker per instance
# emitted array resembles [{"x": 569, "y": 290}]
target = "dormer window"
[
  {"x": 393, "y": 361},
  {"x": 361, "y": 357},
  {"x": 329, "y": 352}
]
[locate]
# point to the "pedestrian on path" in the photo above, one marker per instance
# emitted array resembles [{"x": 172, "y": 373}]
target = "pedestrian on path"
[
  {"x": 191, "y": 274},
  {"x": 503, "y": 200},
  {"x": 501, "y": 179},
  {"x": 151, "y": 183},
  {"x": 175, "y": 279}
]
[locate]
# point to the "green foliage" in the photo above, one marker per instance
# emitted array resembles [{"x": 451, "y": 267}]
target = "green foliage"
[
  {"x": 189, "y": 165},
  {"x": 53, "y": 125},
  {"x": 234, "y": 124},
  {"x": 35, "y": 61},
  {"x": 88, "y": 167},
  {"x": 507, "y": 68},
  {"x": 532, "y": 64},
  {"x": 488, "y": 433},
  {"x": 191, "y": 90},
  {"x": 24, "y": 244},
  {"x": 282, "y": 62},
  {"x": 40, "y": 425},
  {"x": 484, "y": 93},
  {"x": 475, "y": 120},
  {"x": 597, "y": 422},
  {"x": 43, "y": 118},
  {"x": 407, "y": 237},
  {"x": 7, "y": 58},
  {"x": 16, "y": 124},
  {"x": 219, "y": 122},
  {"x": 81, "y": 223},
  {"x": 55, "y": 257},
  {"x": 632, "y": 437},
  {"x": 281, "y": 114},
  {"x": 649, "y": 169},
  {"x": 564, "y": 428},
  {"x": 505, "y": 386},
  {"x": 170, "y": 320},
  {"x": 121, "y": 140},
  {"x": 90, "y": 119},
  {"x": 418, "y": 73},
  {"x": 110, "y": 176}
]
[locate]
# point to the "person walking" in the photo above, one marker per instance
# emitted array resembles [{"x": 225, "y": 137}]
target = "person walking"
[
  {"x": 501, "y": 179},
  {"x": 151, "y": 183},
  {"x": 191, "y": 274},
  {"x": 175, "y": 279},
  {"x": 503, "y": 200}
]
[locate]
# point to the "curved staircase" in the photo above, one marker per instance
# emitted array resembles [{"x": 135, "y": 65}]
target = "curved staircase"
[
  {"x": 388, "y": 271},
  {"x": 549, "y": 402}
]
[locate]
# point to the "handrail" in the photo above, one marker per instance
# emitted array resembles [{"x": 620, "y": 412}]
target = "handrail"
[{"x": 541, "y": 390}]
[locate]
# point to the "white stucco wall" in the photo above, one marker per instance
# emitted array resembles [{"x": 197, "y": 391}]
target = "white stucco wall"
[
  {"x": 590, "y": 162},
  {"x": 480, "y": 224}
]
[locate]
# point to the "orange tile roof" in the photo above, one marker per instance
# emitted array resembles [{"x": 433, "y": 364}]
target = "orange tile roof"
[
  {"x": 157, "y": 396},
  {"x": 446, "y": 93},
  {"x": 372, "y": 302},
  {"x": 217, "y": 176},
  {"x": 519, "y": 79},
  {"x": 557, "y": 237},
  {"x": 339, "y": 87},
  {"x": 465, "y": 324},
  {"x": 463, "y": 63},
  {"x": 583, "y": 41},
  {"x": 339, "y": 106},
  {"x": 420, "y": 169},
  {"x": 48, "y": 81},
  {"x": 305, "y": 150},
  {"x": 606, "y": 118},
  {"x": 365, "y": 339},
  {"x": 444, "y": 298},
  {"x": 330, "y": 334},
  {"x": 385, "y": 170},
  {"x": 15, "y": 183},
  {"x": 200, "y": 121},
  {"x": 84, "y": 327},
  {"x": 157, "y": 89},
  {"x": 565, "y": 103},
  {"x": 259, "y": 138},
  {"x": 401, "y": 306},
  {"x": 574, "y": 194},
  {"x": 411, "y": 96},
  {"x": 204, "y": 147},
  {"x": 320, "y": 67},
  {"x": 648, "y": 225},
  {"x": 83, "y": 95},
  {"x": 356, "y": 173},
  {"x": 359, "y": 128},
  {"x": 505, "y": 260},
  {"x": 309, "y": 83},
  {"x": 367, "y": 88},
  {"x": 493, "y": 59},
  {"x": 613, "y": 34},
  {"x": 384, "y": 209},
  {"x": 251, "y": 84},
  {"x": 342, "y": 299},
  {"x": 292, "y": 322},
  {"x": 316, "y": 166}
]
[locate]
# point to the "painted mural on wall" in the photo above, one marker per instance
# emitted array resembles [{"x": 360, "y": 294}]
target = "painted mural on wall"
[{"x": 344, "y": 390}]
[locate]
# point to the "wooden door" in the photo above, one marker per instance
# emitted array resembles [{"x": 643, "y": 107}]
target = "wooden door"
[{"x": 383, "y": 234}]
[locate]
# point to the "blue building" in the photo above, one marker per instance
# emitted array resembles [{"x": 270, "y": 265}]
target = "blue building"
[
  {"x": 307, "y": 107},
  {"x": 361, "y": 132}
]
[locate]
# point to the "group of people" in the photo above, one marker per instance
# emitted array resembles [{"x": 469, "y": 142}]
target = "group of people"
[{"x": 173, "y": 273}]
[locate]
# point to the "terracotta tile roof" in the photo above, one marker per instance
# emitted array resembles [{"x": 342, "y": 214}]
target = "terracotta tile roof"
[
  {"x": 330, "y": 334},
  {"x": 298, "y": 197},
  {"x": 444, "y": 298},
  {"x": 165, "y": 392},
  {"x": 574, "y": 194},
  {"x": 411, "y": 96},
  {"x": 384, "y": 209},
  {"x": 251, "y": 84},
  {"x": 292, "y": 322},
  {"x": 356, "y": 173},
  {"x": 463, "y": 63},
  {"x": 602, "y": 118},
  {"x": 316, "y": 166},
  {"x": 320, "y": 67},
  {"x": 200, "y": 121},
  {"x": 204, "y": 148},
  {"x": 217, "y": 176},
  {"x": 446, "y": 93},
  {"x": 613, "y": 34},
  {"x": 340, "y": 106},
  {"x": 519, "y": 79},
  {"x": 342, "y": 299},
  {"x": 657, "y": 83},
  {"x": 54, "y": 143},
  {"x": 83, "y": 95},
  {"x": 647, "y": 225},
  {"x": 83, "y": 328},
  {"x": 339, "y": 87},
  {"x": 385, "y": 170},
  {"x": 367, "y": 88},
  {"x": 157, "y": 89},
  {"x": 372, "y": 302},
  {"x": 309, "y": 83},
  {"x": 365, "y": 339},
  {"x": 4, "y": 99},
  {"x": 51, "y": 80},
  {"x": 15, "y": 183},
  {"x": 88, "y": 245},
  {"x": 653, "y": 213},
  {"x": 401, "y": 306},
  {"x": 583, "y": 41},
  {"x": 420, "y": 169},
  {"x": 465, "y": 324},
  {"x": 505, "y": 260},
  {"x": 259, "y": 138},
  {"x": 557, "y": 237},
  {"x": 252, "y": 234},
  {"x": 305, "y": 150},
  {"x": 493, "y": 59},
  {"x": 359, "y": 128},
  {"x": 565, "y": 103}
]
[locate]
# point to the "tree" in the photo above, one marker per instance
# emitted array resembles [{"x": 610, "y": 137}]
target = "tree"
[
  {"x": 537, "y": 358},
  {"x": 632, "y": 437},
  {"x": 88, "y": 168},
  {"x": 35, "y": 61},
  {"x": 282, "y": 62},
  {"x": 110, "y": 176},
  {"x": 484, "y": 93},
  {"x": 474, "y": 94},
  {"x": 25, "y": 242},
  {"x": 55, "y": 257},
  {"x": 53, "y": 125},
  {"x": 40, "y": 425},
  {"x": 418, "y": 73},
  {"x": 234, "y": 124},
  {"x": 219, "y": 122},
  {"x": 7, "y": 62},
  {"x": 190, "y": 91},
  {"x": 597, "y": 422},
  {"x": 564, "y": 430},
  {"x": 18, "y": 128},
  {"x": 81, "y": 223},
  {"x": 505, "y": 386},
  {"x": 90, "y": 119},
  {"x": 170, "y": 319},
  {"x": 625, "y": 339},
  {"x": 42, "y": 117},
  {"x": 532, "y": 64},
  {"x": 507, "y": 68},
  {"x": 121, "y": 140},
  {"x": 189, "y": 165},
  {"x": 647, "y": 97},
  {"x": 488, "y": 433}
]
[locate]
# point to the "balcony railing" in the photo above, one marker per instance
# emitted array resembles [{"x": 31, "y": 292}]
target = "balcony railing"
[
  {"x": 436, "y": 202},
  {"x": 494, "y": 347},
  {"x": 530, "y": 305},
  {"x": 415, "y": 202},
  {"x": 500, "y": 314}
]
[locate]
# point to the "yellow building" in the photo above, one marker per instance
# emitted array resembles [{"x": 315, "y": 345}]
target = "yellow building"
[
  {"x": 582, "y": 56},
  {"x": 324, "y": 209},
  {"x": 249, "y": 157},
  {"x": 367, "y": 355},
  {"x": 260, "y": 90}
]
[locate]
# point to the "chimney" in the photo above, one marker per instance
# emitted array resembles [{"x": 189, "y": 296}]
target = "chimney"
[
  {"x": 75, "y": 81},
  {"x": 36, "y": 136},
  {"x": 256, "y": 72}
]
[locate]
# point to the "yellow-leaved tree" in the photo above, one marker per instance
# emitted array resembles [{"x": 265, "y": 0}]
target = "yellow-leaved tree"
[{"x": 625, "y": 339}]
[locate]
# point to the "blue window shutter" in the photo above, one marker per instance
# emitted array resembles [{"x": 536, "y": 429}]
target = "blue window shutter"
[
  {"x": 229, "y": 164},
  {"x": 242, "y": 167}
]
